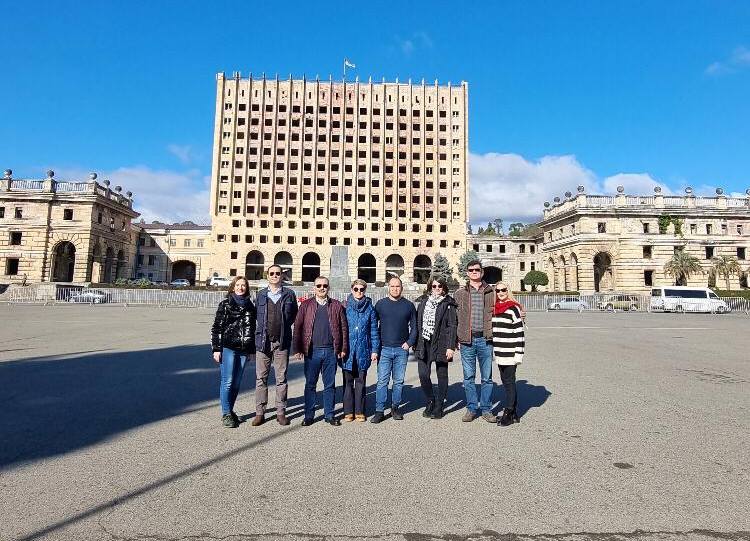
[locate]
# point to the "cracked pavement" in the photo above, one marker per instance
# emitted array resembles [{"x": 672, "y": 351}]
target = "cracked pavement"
[{"x": 634, "y": 426}]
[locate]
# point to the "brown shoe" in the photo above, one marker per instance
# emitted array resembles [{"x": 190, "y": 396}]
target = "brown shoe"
[
  {"x": 469, "y": 416},
  {"x": 360, "y": 418},
  {"x": 281, "y": 419},
  {"x": 348, "y": 418},
  {"x": 258, "y": 420},
  {"x": 489, "y": 417}
]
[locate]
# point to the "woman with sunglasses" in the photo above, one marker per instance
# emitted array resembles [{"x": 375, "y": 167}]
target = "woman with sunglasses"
[
  {"x": 232, "y": 341},
  {"x": 437, "y": 321},
  {"x": 508, "y": 343},
  {"x": 364, "y": 344}
]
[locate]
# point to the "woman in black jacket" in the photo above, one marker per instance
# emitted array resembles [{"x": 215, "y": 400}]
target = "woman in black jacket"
[
  {"x": 232, "y": 340},
  {"x": 437, "y": 322}
]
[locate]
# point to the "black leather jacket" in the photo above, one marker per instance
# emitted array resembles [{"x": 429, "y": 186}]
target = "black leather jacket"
[{"x": 234, "y": 327}]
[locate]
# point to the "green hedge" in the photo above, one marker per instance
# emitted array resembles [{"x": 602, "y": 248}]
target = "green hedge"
[{"x": 744, "y": 293}]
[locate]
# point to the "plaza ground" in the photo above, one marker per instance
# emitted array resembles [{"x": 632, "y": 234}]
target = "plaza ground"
[{"x": 634, "y": 426}]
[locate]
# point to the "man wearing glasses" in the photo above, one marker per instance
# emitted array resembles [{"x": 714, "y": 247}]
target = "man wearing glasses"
[
  {"x": 475, "y": 304},
  {"x": 321, "y": 336},
  {"x": 398, "y": 333},
  {"x": 276, "y": 308}
]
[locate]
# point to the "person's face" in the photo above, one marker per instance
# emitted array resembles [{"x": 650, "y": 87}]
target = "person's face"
[
  {"x": 394, "y": 288},
  {"x": 436, "y": 288},
  {"x": 358, "y": 291},
  {"x": 274, "y": 276},
  {"x": 240, "y": 287},
  {"x": 501, "y": 290},
  {"x": 321, "y": 288},
  {"x": 474, "y": 272}
]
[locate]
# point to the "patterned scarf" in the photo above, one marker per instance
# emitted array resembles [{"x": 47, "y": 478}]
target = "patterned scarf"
[{"x": 428, "y": 320}]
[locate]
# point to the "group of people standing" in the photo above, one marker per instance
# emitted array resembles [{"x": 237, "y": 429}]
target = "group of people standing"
[{"x": 481, "y": 322}]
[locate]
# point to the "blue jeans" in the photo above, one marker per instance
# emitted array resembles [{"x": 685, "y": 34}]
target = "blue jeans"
[
  {"x": 232, "y": 365},
  {"x": 478, "y": 350},
  {"x": 322, "y": 360},
  {"x": 392, "y": 361}
]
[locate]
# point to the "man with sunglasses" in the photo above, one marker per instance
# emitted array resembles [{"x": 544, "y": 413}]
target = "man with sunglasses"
[
  {"x": 476, "y": 302},
  {"x": 321, "y": 336},
  {"x": 276, "y": 308}
]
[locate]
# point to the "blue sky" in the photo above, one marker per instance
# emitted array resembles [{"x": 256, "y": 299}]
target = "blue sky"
[{"x": 560, "y": 93}]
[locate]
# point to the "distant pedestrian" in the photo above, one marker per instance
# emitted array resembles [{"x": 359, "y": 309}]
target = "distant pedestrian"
[
  {"x": 321, "y": 336},
  {"x": 508, "y": 339},
  {"x": 475, "y": 304},
  {"x": 436, "y": 342},
  {"x": 364, "y": 345},
  {"x": 232, "y": 341},
  {"x": 277, "y": 309},
  {"x": 398, "y": 334}
]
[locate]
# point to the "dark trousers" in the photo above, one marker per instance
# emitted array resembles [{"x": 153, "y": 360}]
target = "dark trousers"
[
  {"x": 508, "y": 377},
  {"x": 423, "y": 366},
  {"x": 322, "y": 361},
  {"x": 354, "y": 390}
]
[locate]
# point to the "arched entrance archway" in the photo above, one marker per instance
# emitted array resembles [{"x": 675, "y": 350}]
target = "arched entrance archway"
[
  {"x": 254, "y": 265},
  {"x": 394, "y": 266},
  {"x": 64, "y": 262},
  {"x": 492, "y": 274},
  {"x": 285, "y": 261},
  {"x": 422, "y": 269},
  {"x": 366, "y": 268},
  {"x": 603, "y": 279},
  {"x": 310, "y": 267},
  {"x": 184, "y": 270},
  {"x": 109, "y": 259}
]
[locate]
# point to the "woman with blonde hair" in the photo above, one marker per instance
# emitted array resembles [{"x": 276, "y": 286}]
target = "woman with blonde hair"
[
  {"x": 232, "y": 341},
  {"x": 508, "y": 343}
]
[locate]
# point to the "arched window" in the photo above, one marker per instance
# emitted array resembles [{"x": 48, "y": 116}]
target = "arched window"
[
  {"x": 284, "y": 260},
  {"x": 310, "y": 267},
  {"x": 422, "y": 269},
  {"x": 394, "y": 266},
  {"x": 366, "y": 268},
  {"x": 254, "y": 265}
]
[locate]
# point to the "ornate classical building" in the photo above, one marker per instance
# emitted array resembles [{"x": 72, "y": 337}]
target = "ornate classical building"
[
  {"x": 166, "y": 252},
  {"x": 64, "y": 231},
  {"x": 302, "y": 166},
  {"x": 507, "y": 258},
  {"x": 622, "y": 242}
]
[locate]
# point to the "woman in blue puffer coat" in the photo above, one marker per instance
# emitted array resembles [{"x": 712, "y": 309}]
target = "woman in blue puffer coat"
[{"x": 364, "y": 345}]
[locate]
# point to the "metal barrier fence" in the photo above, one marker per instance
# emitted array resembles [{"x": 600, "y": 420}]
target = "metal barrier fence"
[{"x": 609, "y": 302}]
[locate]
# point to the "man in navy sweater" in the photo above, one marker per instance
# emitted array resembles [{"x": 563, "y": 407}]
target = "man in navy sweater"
[{"x": 398, "y": 333}]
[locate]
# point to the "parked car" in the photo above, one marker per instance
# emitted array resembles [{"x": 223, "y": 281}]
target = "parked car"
[
  {"x": 219, "y": 281},
  {"x": 180, "y": 282},
  {"x": 569, "y": 303},
  {"x": 619, "y": 302},
  {"x": 90, "y": 296},
  {"x": 687, "y": 299}
]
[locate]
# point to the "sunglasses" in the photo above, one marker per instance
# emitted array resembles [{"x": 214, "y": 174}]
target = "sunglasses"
[
  {"x": 473, "y": 270},
  {"x": 437, "y": 286},
  {"x": 358, "y": 289},
  {"x": 502, "y": 290},
  {"x": 274, "y": 273},
  {"x": 321, "y": 286}
]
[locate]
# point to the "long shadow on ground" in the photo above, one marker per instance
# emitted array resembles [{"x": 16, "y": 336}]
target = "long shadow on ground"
[{"x": 51, "y": 406}]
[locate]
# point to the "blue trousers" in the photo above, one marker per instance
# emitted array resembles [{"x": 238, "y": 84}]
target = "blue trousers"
[
  {"x": 392, "y": 362},
  {"x": 322, "y": 360},
  {"x": 478, "y": 351},
  {"x": 232, "y": 366}
]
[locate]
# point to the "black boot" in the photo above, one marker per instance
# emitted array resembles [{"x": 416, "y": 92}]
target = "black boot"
[
  {"x": 428, "y": 410},
  {"x": 508, "y": 418},
  {"x": 437, "y": 410}
]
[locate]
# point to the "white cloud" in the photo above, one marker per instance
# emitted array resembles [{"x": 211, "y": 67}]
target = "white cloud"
[
  {"x": 739, "y": 59},
  {"x": 184, "y": 153},
  {"x": 510, "y": 187},
  {"x": 159, "y": 194},
  {"x": 418, "y": 40}
]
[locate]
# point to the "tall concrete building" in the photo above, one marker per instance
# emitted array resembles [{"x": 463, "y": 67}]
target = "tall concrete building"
[{"x": 301, "y": 166}]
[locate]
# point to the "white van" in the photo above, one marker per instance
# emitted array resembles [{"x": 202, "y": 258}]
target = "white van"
[{"x": 686, "y": 299}]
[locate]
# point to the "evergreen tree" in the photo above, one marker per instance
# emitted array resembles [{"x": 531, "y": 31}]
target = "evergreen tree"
[
  {"x": 471, "y": 255},
  {"x": 490, "y": 229},
  {"x": 536, "y": 278},
  {"x": 441, "y": 267},
  {"x": 515, "y": 229},
  {"x": 498, "y": 223}
]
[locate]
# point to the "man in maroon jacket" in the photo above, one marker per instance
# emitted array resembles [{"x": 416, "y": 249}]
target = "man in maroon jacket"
[{"x": 321, "y": 336}]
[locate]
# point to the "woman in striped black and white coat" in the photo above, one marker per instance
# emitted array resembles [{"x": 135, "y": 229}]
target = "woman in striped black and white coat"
[{"x": 508, "y": 346}]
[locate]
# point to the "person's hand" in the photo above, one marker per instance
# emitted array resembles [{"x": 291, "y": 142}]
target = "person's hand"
[
  {"x": 449, "y": 354},
  {"x": 374, "y": 357},
  {"x": 523, "y": 314},
  {"x": 297, "y": 356},
  {"x": 405, "y": 346},
  {"x": 341, "y": 355},
  {"x": 217, "y": 357},
  {"x": 458, "y": 347}
]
